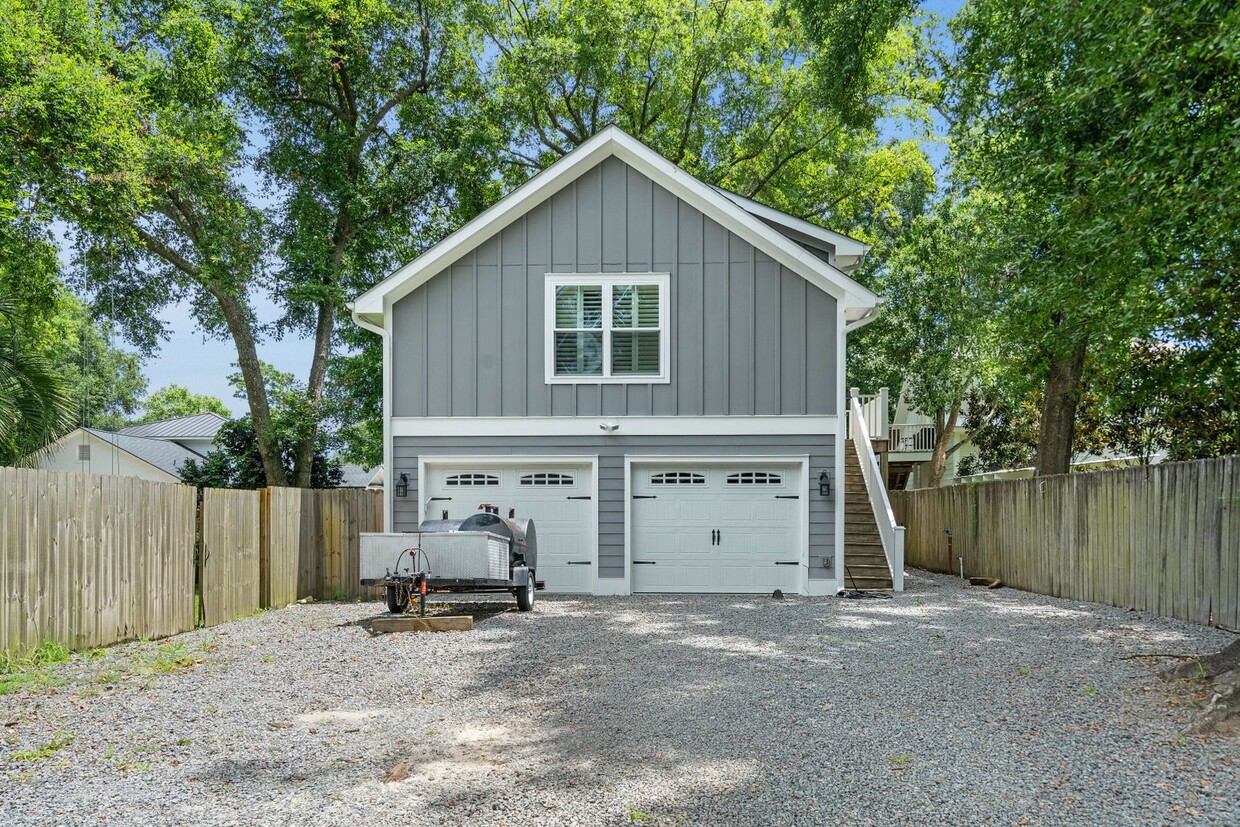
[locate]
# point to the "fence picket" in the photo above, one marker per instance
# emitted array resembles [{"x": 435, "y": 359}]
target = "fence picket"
[{"x": 1163, "y": 539}]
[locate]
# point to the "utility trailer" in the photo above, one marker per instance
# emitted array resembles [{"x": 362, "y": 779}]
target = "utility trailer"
[{"x": 482, "y": 553}]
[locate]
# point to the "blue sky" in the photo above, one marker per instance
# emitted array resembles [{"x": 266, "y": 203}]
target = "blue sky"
[{"x": 202, "y": 364}]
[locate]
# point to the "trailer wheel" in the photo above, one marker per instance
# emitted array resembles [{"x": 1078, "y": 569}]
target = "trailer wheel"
[
  {"x": 525, "y": 595},
  {"x": 397, "y": 599}
]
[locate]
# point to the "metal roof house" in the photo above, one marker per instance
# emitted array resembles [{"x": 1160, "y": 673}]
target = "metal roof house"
[
  {"x": 153, "y": 450},
  {"x": 648, "y": 366}
]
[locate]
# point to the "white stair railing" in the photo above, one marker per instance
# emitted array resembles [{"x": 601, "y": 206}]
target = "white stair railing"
[
  {"x": 873, "y": 409},
  {"x": 891, "y": 534}
]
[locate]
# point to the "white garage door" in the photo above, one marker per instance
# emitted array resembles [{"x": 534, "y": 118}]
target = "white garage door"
[
  {"x": 556, "y": 497},
  {"x": 716, "y": 528}
]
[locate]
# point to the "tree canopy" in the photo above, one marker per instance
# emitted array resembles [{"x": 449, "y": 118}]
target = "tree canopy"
[{"x": 175, "y": 400}]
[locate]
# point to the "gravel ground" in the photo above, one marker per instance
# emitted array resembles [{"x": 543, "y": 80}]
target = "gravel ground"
[{"x": 942, "y": 706}]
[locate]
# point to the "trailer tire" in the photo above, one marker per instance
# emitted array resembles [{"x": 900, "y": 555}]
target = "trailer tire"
[
  {"x": 525, "y": 595},
  {"x": 397, "y": 599}
]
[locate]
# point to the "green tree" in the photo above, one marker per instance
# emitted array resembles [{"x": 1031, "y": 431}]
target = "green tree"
[
  {"x": 175, "y": 400},
  {"x": 235, "y": 462},
  {"x": 943, "y": 285},
  {"x": 1113, "y": 122},
  {"x": 106, "y": 380},
  {"x": 36, "y": 404},
  {"x": 726, "y": 90}
]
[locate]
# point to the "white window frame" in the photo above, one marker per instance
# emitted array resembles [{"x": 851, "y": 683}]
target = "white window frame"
[{"x": 607, "y": 281}]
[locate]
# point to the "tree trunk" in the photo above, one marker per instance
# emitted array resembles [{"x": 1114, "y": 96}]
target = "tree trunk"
[
  {"x": 255, "y": 388},
  {"x": 945, "y": 428},
  {"x": 303, "y": 461},
  {"x": 1059, "y": 403}
]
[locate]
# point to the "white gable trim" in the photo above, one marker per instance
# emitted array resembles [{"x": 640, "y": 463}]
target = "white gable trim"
[
  {"x": 372, "y": 305},
  {"x": 845, "y": 248}
]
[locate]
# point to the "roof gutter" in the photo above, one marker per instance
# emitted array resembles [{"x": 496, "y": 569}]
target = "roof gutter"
[
  {"x": 870, "y": 315},
  {"x": 361, "y": 322}
]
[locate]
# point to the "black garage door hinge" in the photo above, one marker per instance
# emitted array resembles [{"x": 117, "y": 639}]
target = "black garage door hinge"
[
  {"x": 583, "y": 497},
  {"x": 787, "y": 562},
  {"x": 787, "y": 496},
  {"x": 645, "y": 496},
  {"x": 580, "y": 563}
]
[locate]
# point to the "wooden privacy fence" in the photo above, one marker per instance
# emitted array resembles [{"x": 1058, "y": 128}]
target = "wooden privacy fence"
[
  {"x": 229, "y": 555},
  {"x": 88, "y": 560},
  {"x": 312, "y": 546},
  {"x": 1162, "y": 538}
]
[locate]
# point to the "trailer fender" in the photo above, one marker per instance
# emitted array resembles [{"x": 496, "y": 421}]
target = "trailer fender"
[{"x": 520, "y": 576}]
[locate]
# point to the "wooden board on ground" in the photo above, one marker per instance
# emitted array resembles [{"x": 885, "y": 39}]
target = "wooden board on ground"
[{"x": 412, "y": 623}]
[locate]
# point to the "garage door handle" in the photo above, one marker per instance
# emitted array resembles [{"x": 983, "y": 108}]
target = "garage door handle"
[
  {"x": 583, "y": 497},
  {"x": 787, "y": 562},
  {"x": 645, "y": 496},
  {"x": 787, "y": 496},
  {"x": 580, "y": 563},
  {"x": 643, "y": 562}
]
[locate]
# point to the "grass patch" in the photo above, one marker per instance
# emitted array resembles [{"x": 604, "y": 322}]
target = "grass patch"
[
  {"x": 25, "y": 669},
  {"x": 170, "y": 657},
  {"x": 59, "y": 741},
  {"x": 256, "y": 613},
  {"x": 1089, "y": 690},
  {"x": 900, "y": 760}
]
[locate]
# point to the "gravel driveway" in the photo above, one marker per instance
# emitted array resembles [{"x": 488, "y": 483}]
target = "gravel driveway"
[{"x": 942, "y": 706}]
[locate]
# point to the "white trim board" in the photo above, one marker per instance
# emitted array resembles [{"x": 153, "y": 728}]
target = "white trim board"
[
  {"x": 603, "y": 426},
  {"x": 374, "y": 304}
]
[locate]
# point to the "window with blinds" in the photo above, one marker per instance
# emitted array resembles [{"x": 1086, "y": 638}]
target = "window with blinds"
[{"x": 607, "y": 328}]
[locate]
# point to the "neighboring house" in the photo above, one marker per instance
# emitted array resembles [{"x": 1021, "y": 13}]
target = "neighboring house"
[
  {"x": 649, "y": 367},
  {"x": 910, "y": 439},
  {"x": 355, "y": 476},
  {"x": 91, "y": 451},
  {"x": 196, "y": 432},
  {"x": 152, "y": 451}
]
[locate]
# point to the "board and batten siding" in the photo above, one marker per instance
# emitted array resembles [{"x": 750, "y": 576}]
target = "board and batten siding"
[
  {"x": 748, "y": 336},
  {"x": 612, "y": 451}
]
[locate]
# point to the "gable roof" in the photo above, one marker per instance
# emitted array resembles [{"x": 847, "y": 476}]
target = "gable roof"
[
  {"x": 167, "y": 456},
  {"x": 195, "y": 426},
  {"x": 858, "y": 302},
  {"x": 847, "y": 251}
]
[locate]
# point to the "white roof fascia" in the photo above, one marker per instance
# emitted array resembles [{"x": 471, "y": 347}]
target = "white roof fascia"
[
  {"x": 371, "y": 305},
  {"x": 843, "y": 245}
]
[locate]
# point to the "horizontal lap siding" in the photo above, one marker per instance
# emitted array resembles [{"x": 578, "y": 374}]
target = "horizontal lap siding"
[
  {"x": 748, "y": 336},
  {"x": 611, "y": 452}
]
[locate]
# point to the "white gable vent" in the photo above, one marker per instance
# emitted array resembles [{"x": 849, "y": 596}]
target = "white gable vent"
[{"x": 83, "y": 453}]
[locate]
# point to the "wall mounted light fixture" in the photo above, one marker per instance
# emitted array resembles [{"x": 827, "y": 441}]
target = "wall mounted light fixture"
[
  {"x": 402, "y": 486},
  {"x": 824, "y": 483}
]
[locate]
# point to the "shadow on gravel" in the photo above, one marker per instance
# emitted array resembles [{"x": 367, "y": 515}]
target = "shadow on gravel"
[
  {"x": 480, "y": 611},
  {"x": 754, "y": 711}
]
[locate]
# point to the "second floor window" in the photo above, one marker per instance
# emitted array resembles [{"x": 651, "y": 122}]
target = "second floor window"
[{"x": 607, "y": 328}]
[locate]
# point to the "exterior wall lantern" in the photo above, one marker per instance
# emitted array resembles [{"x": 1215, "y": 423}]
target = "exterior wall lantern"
[
  {"x": 824, "y": 483},
  {"x": 402, "y": 486}
]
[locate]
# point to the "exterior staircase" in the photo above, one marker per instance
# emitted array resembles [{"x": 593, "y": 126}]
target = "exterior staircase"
[{"x": 865, "y": 563}]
